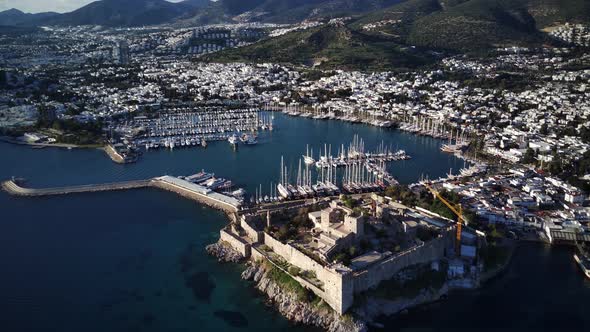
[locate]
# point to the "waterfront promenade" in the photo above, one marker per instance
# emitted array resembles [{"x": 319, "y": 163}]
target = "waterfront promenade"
[{"x": 169, "y": 183}]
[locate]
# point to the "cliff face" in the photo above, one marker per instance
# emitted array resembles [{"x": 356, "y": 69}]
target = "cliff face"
[{"x": 297, "y": 311}]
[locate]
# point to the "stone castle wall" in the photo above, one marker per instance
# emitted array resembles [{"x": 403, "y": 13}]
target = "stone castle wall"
[
  {"x": 238, "y": 244},
  {"x": 390, "y": 266},
  {"x": 339, "y": 286},
  {"x": 334, "y": 282},
  {"x": 256, "y": 236}
]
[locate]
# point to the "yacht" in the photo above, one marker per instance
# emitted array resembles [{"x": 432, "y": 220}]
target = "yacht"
[
  {"x": 284, "y": 192},
  {"x": 200, "y": 177},
  {"x": 215, "y": 183}
]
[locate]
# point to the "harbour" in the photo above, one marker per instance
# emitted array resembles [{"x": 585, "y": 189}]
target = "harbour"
[
  {"x": 186, "y": 126},
  {"x": 139, "y": 249},
  {"x": 201, "y": 192}
]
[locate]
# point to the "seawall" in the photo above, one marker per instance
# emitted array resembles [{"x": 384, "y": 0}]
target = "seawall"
[{"x": 181, "y": 187}]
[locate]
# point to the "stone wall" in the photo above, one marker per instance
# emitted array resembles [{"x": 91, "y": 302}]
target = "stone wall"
[
  {"x": 337, "y": 289},
  {"x": 390, "y": 266},
  {"x": 238, "y": 244},
  {"x": 256, "y": 255},
  {"x": 292, "y": 255},
  {"x": 256, "y": 236},
  {"x": 340, "y": 284}
]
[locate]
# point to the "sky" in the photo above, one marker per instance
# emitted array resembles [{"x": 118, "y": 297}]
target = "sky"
[{"x": 38, "y": 6}]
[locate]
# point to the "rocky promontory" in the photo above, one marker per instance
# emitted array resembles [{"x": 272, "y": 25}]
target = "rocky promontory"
[
  {"x": 290, "y": 306},
  {"x": 224, "y": 252}
]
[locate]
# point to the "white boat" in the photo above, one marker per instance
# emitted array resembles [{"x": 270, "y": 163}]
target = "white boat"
[
  {"x": 233, "y": 139},
  {"x": 214, "y": 183},
  {"x": 200, "y": 177},
  {"x": 283, "y": 191},
  {"x": 240, "y": 193}
]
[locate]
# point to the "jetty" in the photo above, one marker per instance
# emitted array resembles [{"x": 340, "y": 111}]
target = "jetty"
[{"x": 179, "y": 186}]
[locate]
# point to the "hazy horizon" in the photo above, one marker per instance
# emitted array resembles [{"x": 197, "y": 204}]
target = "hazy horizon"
[{"x": 40, "y": 6}]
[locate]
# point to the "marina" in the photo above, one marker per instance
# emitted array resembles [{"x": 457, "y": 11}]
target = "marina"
[
  {"x": 186, "y": 127},
  {"x": 317, "y": 113},
  {"x": 360, "y": 172}
]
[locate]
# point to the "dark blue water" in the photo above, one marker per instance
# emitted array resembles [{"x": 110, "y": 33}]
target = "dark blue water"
[
  {"x": 543, "y": 290},
  {"x": 134, "y": 261}
]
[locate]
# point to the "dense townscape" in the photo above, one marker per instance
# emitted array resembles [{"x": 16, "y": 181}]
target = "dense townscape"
[{"x": 519, "y": 115}]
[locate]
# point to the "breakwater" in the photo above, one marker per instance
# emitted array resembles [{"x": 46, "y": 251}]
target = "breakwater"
[{"x": 179, "y": 186}]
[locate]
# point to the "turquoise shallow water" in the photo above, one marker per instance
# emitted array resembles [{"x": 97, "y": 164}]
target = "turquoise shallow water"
[{"x": 135, "y": 261}]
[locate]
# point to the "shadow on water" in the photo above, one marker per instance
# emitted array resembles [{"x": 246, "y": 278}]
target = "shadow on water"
[
  {"x": 201, "y": 285},
  {"x": 232, "y": 318}
]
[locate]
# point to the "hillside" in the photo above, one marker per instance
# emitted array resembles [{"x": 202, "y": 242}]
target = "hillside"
[
  {"x": 14, "y": 17},
  {"x": 397, "y": 36},
  {"x": 289, "y": 11},
  {"x": 552, "y": 12},
  {"x": 123, "y": 13},
  {"x": 329, "y": 46},
  {"x": 463, "y": 25},
  {"x": 476, "y": 24}
]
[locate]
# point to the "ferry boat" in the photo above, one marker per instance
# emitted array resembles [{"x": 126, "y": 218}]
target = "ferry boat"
[
  {"x": 200, "y": 177},
  {"x": 584, "y": 263}
]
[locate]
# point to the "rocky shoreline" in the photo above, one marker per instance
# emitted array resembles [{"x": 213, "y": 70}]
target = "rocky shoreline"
[
  {"x": 297, "y": 311},
  {"x": 301, "y": 312},
  {"x": 224, "y": 252}
]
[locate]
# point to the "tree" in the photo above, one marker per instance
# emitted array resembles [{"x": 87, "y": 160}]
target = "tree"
[
  {"x": 352, "y": 251},
  {"x": 556, "y": 167},
  {"x": 529, "y": 156}
]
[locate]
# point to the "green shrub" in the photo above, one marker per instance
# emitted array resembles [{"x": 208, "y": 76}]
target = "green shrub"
[{"x": 294, "y": 270}]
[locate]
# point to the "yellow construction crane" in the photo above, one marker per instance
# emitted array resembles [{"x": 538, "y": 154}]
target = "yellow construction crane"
[{"x": 457, "y": 210}]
